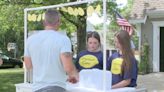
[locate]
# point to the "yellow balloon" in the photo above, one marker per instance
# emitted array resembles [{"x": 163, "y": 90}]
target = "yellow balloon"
[
  {"x": 70, "y": 10},
  {"x": 39, "y": 17},
  {"x": 29, "y": 17},
  {"x": 81, "y": 11},
  {"x": 33, "y": 17},
  {"x": 43, "y": 16},
  {"x": 75, "y": 12},
  {"x": 64, "y": 9},
  {"x": 90, "y": 10},
  {"x": 98, "y": 9}
]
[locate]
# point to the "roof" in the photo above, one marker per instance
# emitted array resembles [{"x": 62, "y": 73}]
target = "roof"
[{"x": 141, "y": 7}]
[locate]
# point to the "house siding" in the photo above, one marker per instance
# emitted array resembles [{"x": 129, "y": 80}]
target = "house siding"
[{"x": 147, "y": 36}]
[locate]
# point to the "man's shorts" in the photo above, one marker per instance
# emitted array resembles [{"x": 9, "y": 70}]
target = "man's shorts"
[{"x": 51, "y": 89}]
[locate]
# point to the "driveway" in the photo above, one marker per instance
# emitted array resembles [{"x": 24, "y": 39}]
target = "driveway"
[{"x": 154, "y": 82}]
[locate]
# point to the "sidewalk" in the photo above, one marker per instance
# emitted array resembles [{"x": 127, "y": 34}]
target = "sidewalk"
[{"x": 154, "y": 82}]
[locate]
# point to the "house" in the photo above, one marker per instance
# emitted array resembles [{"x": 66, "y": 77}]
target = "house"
[{"x": 148, "y": 16}]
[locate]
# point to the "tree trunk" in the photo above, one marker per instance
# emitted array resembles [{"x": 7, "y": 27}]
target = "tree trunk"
[{"x": 81, "y": 35}]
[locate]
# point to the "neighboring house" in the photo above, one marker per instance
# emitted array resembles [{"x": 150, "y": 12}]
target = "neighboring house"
[{"x": 148, "y": 16}]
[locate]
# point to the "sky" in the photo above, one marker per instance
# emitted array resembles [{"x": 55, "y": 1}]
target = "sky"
[
  {"x": 95, "y": 19},
  {"x": 121, "y": 3}
]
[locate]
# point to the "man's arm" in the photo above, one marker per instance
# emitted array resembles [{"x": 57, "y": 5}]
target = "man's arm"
[
  {"x": 28, "y": 63},
  {"x": 66, "y": 59}
]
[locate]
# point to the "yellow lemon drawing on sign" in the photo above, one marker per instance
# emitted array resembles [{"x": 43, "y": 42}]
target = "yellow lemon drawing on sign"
[
  {"x": 116, "y": 66},
  {"x": 88, "y": 61}
]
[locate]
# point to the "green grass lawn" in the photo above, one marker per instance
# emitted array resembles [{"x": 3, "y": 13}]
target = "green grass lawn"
[{"x": 10, "y": 77}]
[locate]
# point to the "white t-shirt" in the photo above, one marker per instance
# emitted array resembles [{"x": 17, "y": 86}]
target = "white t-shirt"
[{"x": 45, "y": 48}]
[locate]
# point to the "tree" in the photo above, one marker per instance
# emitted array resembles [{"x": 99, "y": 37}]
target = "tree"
[
  {"x": 11, "y": 29},
  {"x": 125, "y": 11},
  {"x": 79, "y": 21},
  {"x": 12, "y": 20}
]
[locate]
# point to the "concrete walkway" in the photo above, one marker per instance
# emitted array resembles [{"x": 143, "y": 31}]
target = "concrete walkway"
[{"x": 153, "y": 82}]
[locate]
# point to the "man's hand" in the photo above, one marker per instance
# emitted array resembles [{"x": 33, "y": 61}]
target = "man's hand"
[
  {"x": 66, "y": 59},
  {"x": 73, "y": 78}
]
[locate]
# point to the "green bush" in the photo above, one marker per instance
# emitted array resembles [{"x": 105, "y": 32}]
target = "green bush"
[{"x": 144, "y": 63}]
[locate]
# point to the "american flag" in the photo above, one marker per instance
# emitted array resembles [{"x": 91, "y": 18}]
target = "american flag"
[{"x": 124, "y": 24}]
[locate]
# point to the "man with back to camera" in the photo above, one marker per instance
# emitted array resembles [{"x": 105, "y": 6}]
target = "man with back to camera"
[{"x": 48, "y": 53}]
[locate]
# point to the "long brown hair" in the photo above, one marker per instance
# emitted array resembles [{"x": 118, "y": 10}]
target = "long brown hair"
[{"x": 127, "y": 54}]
